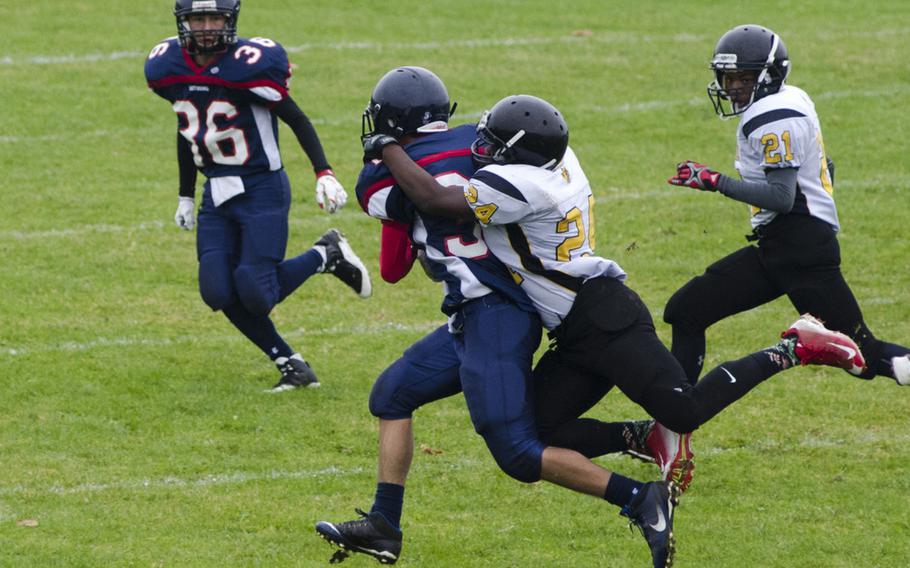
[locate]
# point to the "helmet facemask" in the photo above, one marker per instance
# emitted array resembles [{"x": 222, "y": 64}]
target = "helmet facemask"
[
  {"x": 488, "y": 148},
  {"x": 223, "y": 38},
  {"x": 769, "y": 76}
]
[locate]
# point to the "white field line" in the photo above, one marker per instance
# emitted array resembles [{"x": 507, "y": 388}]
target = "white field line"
[
  {"x": 469, "y": 43},
  {"x": 366, "y": 46},
  {"x": 613, "y": 193},
  {"x": 105, "y": 342},
  {"x": 763, "y": 447},
  {"x": 625, "y": 108},
  {"x": 236, "y": 478}
]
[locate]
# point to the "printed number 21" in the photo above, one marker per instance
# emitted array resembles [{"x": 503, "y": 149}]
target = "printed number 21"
[{"x": 772, "y": 144}]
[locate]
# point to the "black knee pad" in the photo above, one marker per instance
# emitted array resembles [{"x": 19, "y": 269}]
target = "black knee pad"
[
  {"x": 672, "y": 405},
  {"x": 676, "y": 312}
]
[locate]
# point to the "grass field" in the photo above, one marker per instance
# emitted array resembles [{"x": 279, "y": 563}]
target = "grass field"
[{"x": 133, "y": 426}]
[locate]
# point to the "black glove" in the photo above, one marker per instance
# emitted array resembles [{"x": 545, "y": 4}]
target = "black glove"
[{"x": 373, "y": 145}]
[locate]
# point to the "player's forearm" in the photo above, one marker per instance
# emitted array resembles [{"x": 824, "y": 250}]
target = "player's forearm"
[
  {"x": 422, "y": 188},
  {"x": 777, "y": 193},
  {"x": 186, "y": 167},
  {"x": 291, "y": 114}
]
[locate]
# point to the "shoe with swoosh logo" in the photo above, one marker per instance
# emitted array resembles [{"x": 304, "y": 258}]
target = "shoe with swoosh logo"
[
  {"x": 652, "y": 512},
  {"x": 818, "y": 345}
]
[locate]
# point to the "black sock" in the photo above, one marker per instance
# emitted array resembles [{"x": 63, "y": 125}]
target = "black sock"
[
  {"x": 589, "y": 437},
  {"x": 730, "y": 381}
]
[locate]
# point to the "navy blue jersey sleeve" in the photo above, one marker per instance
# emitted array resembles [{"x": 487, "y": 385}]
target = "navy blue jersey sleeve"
[
  {"x": 261, "y": 66},
  {"x": 380, "y": 197},
  {"x": 163, "y": 61}
]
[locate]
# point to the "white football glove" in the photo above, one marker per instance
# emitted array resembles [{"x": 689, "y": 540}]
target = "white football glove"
[
  {"x": 184, "y": 217},
  {"x": 329, "y": 193}
]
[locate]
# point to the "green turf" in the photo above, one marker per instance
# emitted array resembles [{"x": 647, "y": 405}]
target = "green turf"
[{"x": 133, "y": 426}]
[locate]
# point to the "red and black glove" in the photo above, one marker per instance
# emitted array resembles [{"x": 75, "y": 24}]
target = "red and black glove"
[{"x": 695, "y": 175}]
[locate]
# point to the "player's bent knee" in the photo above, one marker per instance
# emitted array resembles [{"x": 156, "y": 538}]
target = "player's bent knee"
[
  {"x": 383, "y": 400},
  {"x": 683, "y": 312},
  {"x": 257, "y": 288},
  {"x": 215, "y": 285},
  {"x": 676, "y": 409},
  {"x": 673, "y": 311},
  {"x": 520, "y": 460}
]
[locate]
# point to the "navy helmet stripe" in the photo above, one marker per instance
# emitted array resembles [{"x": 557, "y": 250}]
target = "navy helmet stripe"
[
  {"x": 769, "y": 117},
  {"x": 499, "y": 184}
]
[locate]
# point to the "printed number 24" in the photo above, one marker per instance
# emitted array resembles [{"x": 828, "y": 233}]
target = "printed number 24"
[{"x": 455, "y": 245}]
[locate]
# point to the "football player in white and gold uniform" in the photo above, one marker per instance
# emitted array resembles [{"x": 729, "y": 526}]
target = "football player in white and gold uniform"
[
  {"x": 534, "y": 203},
  {"x": 788, "y": 181}
]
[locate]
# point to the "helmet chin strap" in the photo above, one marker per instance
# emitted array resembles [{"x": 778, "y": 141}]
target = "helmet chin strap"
[{"x": 763, "y": 76}]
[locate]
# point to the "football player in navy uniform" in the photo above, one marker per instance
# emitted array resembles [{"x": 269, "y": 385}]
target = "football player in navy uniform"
[
  {"x": 788, "y": 181},
  {"x": 488, "y": 345},
  {"x": 534, "y": 203},
  {"x": 227, "y": 93}
]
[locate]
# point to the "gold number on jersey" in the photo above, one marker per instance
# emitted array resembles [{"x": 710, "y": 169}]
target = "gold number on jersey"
[
  {"x": 591, "y": 225},
  {"x": 470, "y": 193},
  {"x": 825, "y": 174},
  {"x": 572, "y": 218},
  {"x": 771, "y": 142},
  {"x": 484, "y": 212}
]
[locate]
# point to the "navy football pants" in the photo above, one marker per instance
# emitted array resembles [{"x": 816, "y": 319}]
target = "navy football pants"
[
  {"x": 490, "y": 361},
  {"x": 241, "y": 243}
]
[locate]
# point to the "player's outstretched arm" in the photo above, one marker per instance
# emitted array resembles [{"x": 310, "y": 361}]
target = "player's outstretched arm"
[
  {"x": 330, "y": 194},
  {"x": 420, "y": 187}
]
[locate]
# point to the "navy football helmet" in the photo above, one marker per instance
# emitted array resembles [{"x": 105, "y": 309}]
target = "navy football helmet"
[
  {"x": 748, "y": 48},
  {"x": 407, "y": 100},
  {"x": 521, "y": 129},
  {"x": 225, "y": 37}
]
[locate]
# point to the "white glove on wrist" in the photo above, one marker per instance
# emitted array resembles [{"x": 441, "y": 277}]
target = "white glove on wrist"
[
  {"x": 329, "y": 193},
  {"x": 184, "y": 217}
]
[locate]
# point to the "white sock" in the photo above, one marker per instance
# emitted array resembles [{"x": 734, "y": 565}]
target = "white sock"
[
  {"x": 321, "y": 250},
  {"x": 901, "y": 366}
]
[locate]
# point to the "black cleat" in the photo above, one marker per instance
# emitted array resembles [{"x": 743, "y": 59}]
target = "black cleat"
[
  {"x": 652, "y": 512},
  {"x": 295, "y": 374},
  {"x": 344, "y": 264},
  {"x": 372, "y": 535}
]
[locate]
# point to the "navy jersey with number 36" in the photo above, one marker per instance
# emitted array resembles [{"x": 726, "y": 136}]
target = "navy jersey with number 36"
[{"x": 223, "y": 109}]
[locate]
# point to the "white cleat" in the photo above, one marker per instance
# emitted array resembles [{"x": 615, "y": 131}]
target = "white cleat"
[{"x": 901, "y": 366}]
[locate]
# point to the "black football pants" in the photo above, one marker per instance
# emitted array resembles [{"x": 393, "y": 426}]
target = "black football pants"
[{"x": 797, "y": 255}]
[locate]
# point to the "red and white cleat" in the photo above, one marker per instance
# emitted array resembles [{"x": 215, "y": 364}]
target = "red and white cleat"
[
  {"x": 818, "y": 345},
  {"x": 672, "y": 455}
]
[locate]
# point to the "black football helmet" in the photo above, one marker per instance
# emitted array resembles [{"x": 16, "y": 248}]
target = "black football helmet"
[
  {"x": 521, "y": 129},
  {"x": 230, "y": 9},
  {"x": 407, "y": 100},
  {"x": 747, "y": 48}
]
